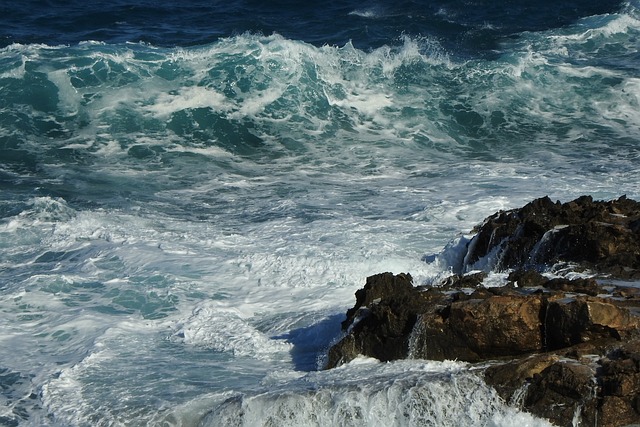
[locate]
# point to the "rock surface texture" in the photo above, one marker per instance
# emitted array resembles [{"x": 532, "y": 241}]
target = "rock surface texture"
[
  {"x": 561, "y": 349},
  {"x": 594, "y": 235}
]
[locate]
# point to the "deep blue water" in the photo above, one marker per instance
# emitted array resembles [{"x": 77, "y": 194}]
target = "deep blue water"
[
  {"x": 191, "y": 192},
  {"x": 467, "y": 27}
]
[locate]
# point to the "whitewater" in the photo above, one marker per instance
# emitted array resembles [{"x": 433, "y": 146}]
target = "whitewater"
[{"x": 182, "y": 228}]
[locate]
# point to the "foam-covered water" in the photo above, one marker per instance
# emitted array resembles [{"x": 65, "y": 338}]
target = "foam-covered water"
[{"x": 184, "y": 220}]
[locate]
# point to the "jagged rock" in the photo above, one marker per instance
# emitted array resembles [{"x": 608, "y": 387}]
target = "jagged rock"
[
  {"x": 600, "y": 236},
  {"x": 382, "y": 285},
  {"x": 457, "y": 281},
  {"x": 480, "y": 329},
  {"x": 511, "y": 379},
  {"x": 394, "y": 320},
  {"x": 570, "y": 321},
  {"x": 551, "y": 334},
  {"x": 380, "y": 323},
  {"x": 566, "y": 350},
  {"x": 562, "y": 392},
  {"x": 598, "y": 385},
  {"x": 527, "y": 278}
]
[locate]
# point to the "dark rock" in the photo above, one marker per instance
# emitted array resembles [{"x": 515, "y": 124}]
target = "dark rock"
[
  {"x": 600, "y": 236},
  {"x": 378, "y": 286},
  {"x": 480, "y": 329},
  {"x": 582, "y": 286},
  {"x": 570, "y": 321},
  {"x": 601, "y": 389},
  {"x": 569, "y": 355},
  {"x": 527, "y": 278},
  {"x": 392, "y": 319},
  {"x": 457, "y": 281},
  {"x": 511, "y": 379},
  {"x": 381, "y": 322},
  {"x": 566, "y": 350},
  {"x": 562, "y": 392}
]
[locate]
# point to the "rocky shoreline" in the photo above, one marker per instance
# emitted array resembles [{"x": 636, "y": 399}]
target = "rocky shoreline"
[{"x": 567, "y": 350}]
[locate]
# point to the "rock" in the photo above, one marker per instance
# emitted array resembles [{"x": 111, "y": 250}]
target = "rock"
[
  {"x": 527, "y": 278},
  {"x": 564, "y": 349},
  {"x": 570, "y": 321},
  {"x": 392, "y": 319},
  {"x": 548, "y": 337},
  {"x": 480, "y": 329},
  {"x": 511, "y": 379},
  {"x": 381, "y": 322},
  {"x": 600, "y": 236},
  {"x": 381, "y": 285},
  {"x": 601, "y": 389},
  {"x": 457, "y": 281},
  {"x": 562, "y": 392}
]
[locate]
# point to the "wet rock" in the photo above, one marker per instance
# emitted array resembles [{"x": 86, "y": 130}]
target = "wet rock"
[
  {"x": 382, "y": 319},
  {"x": 563, "y": 392},
  {"x": 527, "y": 278},
  {"x": 599, "y": 389},
  {"x": 570, "y": 321},
  {"x": 396, "y": 288},
  {"x": 564, "y": 349},
  {"x": 602, "y": 236},
  {"x": 457, "y": 281},
  {"x": 512, "y": 379},
  {"x": 567, "y": 355},
  {"x": 392, "y": 319},
  {"x": 479, "y": 329}
]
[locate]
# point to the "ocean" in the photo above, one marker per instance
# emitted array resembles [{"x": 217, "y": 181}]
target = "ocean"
[{"x": 192, "y": 192}]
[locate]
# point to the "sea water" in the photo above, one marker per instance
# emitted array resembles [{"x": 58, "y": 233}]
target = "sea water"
[{"x": 191, "y": 194}]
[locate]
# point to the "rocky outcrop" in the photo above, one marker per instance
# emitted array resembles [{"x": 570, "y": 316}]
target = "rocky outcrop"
[
  {"x": 597, "y": 384},
  {"x": 565, "y": 353},
  {"x": 562, "y": 349},
  {"x": 392, "y": 319},
  {"x": 600, "y": 236}
]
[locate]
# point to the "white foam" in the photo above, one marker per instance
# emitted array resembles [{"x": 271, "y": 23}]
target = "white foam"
[
  {"x": 371, "y": 12},
  {"x": 73, "y": 397},
  {"x": 166, "y": 104},
  {"x": 395, "y": 394},
  {"x": 68, "y": 96},
  {"x": 16, "y": 73},
  {"x": 220, "y": 328}
]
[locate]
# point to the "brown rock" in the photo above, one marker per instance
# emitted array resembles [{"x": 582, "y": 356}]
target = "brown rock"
[
  {"x": 527, "y": 278},
  {"x": 616, "y": 411},
  {"x": 380, "y": 323},
  {"x": 600, "y": 236},
  {"x": 570, "y": 321},
  {"x": 562, "y": 392},
  {"x": 573, "y": 346},
  {"x": 602, "y": 389},
  {"x": 392, "y": 319},
  {"x": 497, "y": 326},
  {"x": 581, "y": 286},
  {"x": 381, "y": 285},
  {"x": 509, "y": 378}
]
